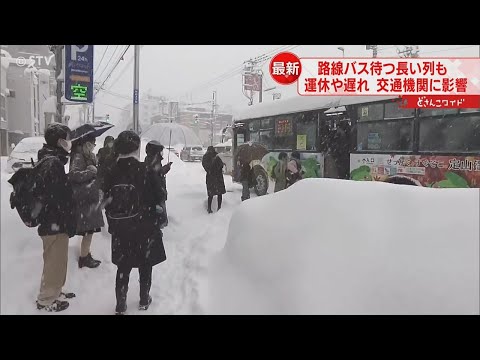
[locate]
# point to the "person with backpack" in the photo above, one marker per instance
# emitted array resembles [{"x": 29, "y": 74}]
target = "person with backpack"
[
  {"x": 86, "y": 197},
  {"x": 213, "y": 166},
  {"x": 43, "y": 197},
  {"x": 280, "y": 172},
  {"x": 245, "y": 179},
  {"x": 294, "y": 169},
  {"x": 153, "y": 160},
  {"x": 131, "y": 199}
]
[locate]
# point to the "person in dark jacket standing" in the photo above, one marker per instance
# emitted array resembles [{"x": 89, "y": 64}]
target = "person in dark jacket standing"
[
  {"x": 294, "y": 169},
  {"x": 58, "y": 223},
  {"x": 213, "y": 165},
  {"x": 86, "y": 196},
  {"x": 131, "y": 200},
  {"x": 245, "y": 179},
  {"x": 105, "y": 159},
  {"x": 153, "y": 160}
]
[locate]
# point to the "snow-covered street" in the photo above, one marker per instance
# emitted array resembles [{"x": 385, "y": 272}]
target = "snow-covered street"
[{"x": 179, "y": 284}]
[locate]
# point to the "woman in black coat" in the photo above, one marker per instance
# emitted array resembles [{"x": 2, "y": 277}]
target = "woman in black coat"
[
  {"x": 213, "y": 165},
  {"x": 153, "y": 160},
  {"x": 131, "y": 201},
  {"x": 86, "y": 197}
]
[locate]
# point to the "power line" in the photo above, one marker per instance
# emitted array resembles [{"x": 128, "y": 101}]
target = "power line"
[
  {"x": 124, "y": 69},
  {"x": 114, "y": 67},
  {"x": 100, "y": 63},
  {"x": 106, "y": 66}
]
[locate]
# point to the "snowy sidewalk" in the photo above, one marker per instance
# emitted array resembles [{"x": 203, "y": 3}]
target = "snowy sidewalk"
[{"x": 179, "y": 285}]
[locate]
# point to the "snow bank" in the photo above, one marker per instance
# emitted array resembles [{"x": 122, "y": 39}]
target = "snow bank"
[{"x": 342, "y": 247}]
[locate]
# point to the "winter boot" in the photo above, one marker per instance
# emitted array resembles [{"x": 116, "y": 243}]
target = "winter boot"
[
  {"x": 145, "y": 298},
  {"x": 88, "y": 261},
  {"x": 121, "y": 294},
  {"x": 56, "y": 306},
  {"x": 145, "y": 304}
]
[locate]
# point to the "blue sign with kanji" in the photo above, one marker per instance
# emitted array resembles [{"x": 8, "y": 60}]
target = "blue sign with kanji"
[{"x": 79, "y": 73}]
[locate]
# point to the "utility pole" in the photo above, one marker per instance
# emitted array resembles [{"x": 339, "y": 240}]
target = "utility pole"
[
  {"x": 374, "y": 49},
  {"x": 58, "y": 51},
  {"x": 260, "y": 90},
  {"x": 213, "y": 116},
  {"x": 136, "y": 85}
]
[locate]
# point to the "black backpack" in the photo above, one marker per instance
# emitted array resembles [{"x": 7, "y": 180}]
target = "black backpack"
[
  {"x": 123, "y": 203},
  {"x": 28, "y": 195}
]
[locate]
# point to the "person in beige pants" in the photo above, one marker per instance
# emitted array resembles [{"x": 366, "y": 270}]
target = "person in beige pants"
[{"x": 57, "y": 222}]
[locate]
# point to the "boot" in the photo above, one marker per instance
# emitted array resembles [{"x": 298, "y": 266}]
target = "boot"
[
  {"x": 56, "y": 306},
  {"x": 88, "y": 261},
  {"x": 145, "y": 298},
  {"x": 209, "y": 210},
  {"x": 121, "y": 295}
]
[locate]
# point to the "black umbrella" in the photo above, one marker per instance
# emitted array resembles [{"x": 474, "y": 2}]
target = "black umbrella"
[
  {"x": 250, "y": 151},
  {"x": 96, "y": 129}
]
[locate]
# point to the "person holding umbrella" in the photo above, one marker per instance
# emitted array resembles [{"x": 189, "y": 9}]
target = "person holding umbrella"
[{"x": 86, "y": 192}]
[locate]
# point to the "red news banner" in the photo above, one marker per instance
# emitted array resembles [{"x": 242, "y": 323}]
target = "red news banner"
[{"x": 421, "y": 82}]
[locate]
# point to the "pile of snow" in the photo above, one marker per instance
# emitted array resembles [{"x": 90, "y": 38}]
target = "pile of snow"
[{"x": 341, "y": 247}]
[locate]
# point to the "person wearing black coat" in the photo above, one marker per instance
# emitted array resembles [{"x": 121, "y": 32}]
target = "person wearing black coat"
[
  {"x": 131, "y": 200},
  {"x": 57, "y": 224},
  {"x": 105, "y": 159},
  {"x": 213, "y": 166},
  {"x": 153, "y": 160},
  {"x": 245, "y": 179}
]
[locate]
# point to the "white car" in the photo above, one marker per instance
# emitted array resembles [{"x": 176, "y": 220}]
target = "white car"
[{"x": 26, "y": 150}]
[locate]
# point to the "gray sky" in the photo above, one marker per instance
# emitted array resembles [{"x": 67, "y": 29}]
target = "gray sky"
[{"x": 177, "y": 70}]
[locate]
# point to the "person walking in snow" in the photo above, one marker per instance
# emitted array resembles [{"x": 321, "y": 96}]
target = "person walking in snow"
[
  {"x": 131, "y": 199},
  {"x": 86, "y": 196},
  {"x": 153, "y": 160},
  {"x": 213, "y": 166},
  {"x": 58, "y": 223},
  {"x": 294, "y": 169},
  {"x": 280, "y": 172},
  {"x": 245, "y": 180}
]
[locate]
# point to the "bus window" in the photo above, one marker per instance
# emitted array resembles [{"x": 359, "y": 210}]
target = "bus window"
[
  {"x": 254, "y": 125},
  {"x": 450, "y": 134},
  {"x": 307, "y": 125},
  {"x": 370, "y": 112},
  {"x": 266, "y": 138},
  {"x": 393, "y": 111},
  {"x": 284, "y": 138},
  {"x": 384, "y": 136},
  {"x": 254, "y": 137}
]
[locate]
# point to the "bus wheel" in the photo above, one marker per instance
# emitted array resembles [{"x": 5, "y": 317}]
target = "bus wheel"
[{"x": 261, "y": 178}]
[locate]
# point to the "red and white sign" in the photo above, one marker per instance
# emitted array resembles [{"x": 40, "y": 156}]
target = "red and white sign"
[{"x": 285, "y": 68}]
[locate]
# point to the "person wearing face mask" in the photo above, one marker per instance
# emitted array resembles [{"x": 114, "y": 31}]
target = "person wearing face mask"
[
  {"x": 105, "y": 159},
  {"x": 86, "y": 196},
  {"x": 58, "y": 223}
]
